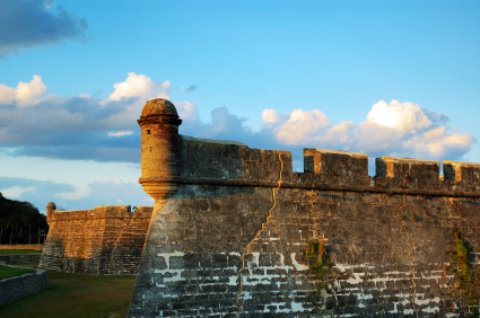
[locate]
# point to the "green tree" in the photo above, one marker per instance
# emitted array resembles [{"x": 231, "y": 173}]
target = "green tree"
[{"x": 21, "y": 222}]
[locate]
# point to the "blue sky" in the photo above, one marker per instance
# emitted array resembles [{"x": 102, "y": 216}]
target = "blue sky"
[{"x": 384, "y": 77}]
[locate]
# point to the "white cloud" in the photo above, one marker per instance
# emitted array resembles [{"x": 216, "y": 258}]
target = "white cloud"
[
  {"x": 140, "y": 86},
  {"x": 270, "y": 116},
  {"x": 16, "y": 192},
  {"x": 390, "y": 128},
  {"x": 187, "y": 110},
  {"x": 120, "y": 133},
  {"x": 87, "y": 124},
  {"x": 29, "y": 93},
  {"x": 395, "y": 128},
  {"x": 372, "y": 138},
  {"x": 25, "y": 94},
  {"x": 26, "y": 24},
  {"x": 77, "y": 194},
  {"x": 438, "y": 142},
  {"x": 300, "y": 127},
  {"x": 68, "y": 196},
  {"x": 108, "y": 192},
  {"x": 341, "y": 133},
  {"x": 7, "y": 94},
  {"x": 403, "y": 117}
]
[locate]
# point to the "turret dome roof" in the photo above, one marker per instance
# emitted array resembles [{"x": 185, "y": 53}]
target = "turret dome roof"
[
  {"x": 159, "y": 106},
  {"x": 159, "y": 111}
]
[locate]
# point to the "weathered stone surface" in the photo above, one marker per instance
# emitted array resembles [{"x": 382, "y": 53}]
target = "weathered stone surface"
[
  {"x": 17, "y": 287},
  {"x": 20, "y": 259},
  {"x": 388, "y": 253},
  {"x": 105, "y": 240}
]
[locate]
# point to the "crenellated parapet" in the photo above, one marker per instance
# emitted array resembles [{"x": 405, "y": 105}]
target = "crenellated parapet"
[
  {"x": 99, "y": 213},
  {"x": 170, "y": 159},
  {"x": 230, "y": 163},
  {"x": 456, "y": 178}
]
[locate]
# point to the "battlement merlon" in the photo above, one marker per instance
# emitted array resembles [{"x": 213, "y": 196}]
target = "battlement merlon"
[
  {"x": 461, "y": 171},
  {"x": 337, "y": 167},
  {"x": 407, "y": 173},
  {"x": 170, "y": 160}
]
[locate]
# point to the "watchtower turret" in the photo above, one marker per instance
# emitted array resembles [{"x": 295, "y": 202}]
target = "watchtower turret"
[
  {"x": 51, "y": 207},
  {"x": 159, "y": 123}
]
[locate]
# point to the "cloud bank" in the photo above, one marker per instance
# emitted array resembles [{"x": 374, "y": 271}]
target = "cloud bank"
[
  {"x": 34, "y": 122},
  {"x": 68, "y": 197},
  {"x": 28, "y": 23},
  {"x": 25, "y": 94},
  {"x": 392, "y": 128}
]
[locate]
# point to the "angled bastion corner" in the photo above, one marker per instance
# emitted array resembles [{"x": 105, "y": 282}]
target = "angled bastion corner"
[{"x": 102, "y": 241}]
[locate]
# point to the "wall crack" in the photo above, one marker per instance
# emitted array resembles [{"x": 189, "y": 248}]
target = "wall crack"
[{"x": 247, "y": 249}]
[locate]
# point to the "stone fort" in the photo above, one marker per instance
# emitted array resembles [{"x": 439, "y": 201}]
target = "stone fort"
[{"x": 234, "y": 232}]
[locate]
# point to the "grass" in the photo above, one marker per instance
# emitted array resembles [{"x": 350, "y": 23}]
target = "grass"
[
  {"x": 7, "y": 271},
  {"x": 463, "y": 250},
  {"x": 317, "y": 258},
  {"x": 19, "y": 252},
  {"x": 76, "y": 296}
]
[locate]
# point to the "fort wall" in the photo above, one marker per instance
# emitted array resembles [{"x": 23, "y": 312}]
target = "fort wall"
[
  {"x": 237, "y": 235},
  {"x": 104, "y": 240}
]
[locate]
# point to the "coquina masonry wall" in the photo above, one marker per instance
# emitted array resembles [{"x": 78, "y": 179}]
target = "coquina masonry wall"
[
  {"x": 104, "y": 240},
  {"x": 244, "y": 236}
]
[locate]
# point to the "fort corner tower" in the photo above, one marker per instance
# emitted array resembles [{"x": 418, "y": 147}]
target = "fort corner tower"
[{"x": 159, "y": 123}]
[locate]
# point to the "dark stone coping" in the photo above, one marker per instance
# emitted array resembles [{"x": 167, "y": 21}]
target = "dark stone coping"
[
  {"x": 305, "y": 183},
  {"x": 20, "y": 258},
  {"x": 17, "y": 287}
]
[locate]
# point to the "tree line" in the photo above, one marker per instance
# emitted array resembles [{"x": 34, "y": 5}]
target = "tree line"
[{"x": 21, "y": 223}]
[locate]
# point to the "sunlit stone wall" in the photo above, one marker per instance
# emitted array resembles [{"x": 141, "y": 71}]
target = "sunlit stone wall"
[
  {"x": 104, "y": 240},
  {"x": 245, "y": 236}
]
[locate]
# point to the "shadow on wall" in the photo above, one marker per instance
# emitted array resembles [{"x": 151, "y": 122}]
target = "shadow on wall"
[{"x": 103, "y": 261}]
